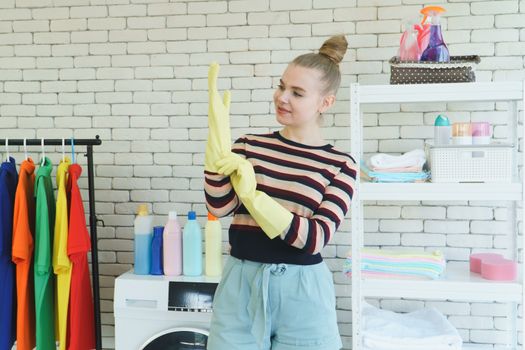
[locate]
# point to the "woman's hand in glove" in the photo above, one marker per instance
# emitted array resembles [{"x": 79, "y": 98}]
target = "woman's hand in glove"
[
  {"x": 271, "y": 216},
  {"x": 241, "y": 172}
]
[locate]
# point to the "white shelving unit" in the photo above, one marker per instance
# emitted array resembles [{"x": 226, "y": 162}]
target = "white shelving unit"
[{"x": 457, "y": 284}]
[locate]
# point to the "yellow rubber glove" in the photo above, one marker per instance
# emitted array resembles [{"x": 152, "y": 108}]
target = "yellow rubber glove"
[
  {"x": 218, "y": 144},
  {"x": 271, "y": 216}
]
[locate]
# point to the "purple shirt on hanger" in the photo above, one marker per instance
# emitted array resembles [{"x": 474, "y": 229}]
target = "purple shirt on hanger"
[{"x": 8, "y": 182}]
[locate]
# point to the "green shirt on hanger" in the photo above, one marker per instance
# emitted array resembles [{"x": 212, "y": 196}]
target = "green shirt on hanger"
[{"x": 44, "y": 278}]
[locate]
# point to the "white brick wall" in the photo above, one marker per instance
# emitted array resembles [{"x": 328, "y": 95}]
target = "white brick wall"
[{"x": 134, "y": 72}]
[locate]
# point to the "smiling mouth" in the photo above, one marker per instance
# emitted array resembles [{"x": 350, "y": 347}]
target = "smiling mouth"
[{"x": 282, "y": 110}]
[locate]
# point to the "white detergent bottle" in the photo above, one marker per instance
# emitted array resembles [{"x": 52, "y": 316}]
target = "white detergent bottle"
[
  {"x": 213, "y": 246},
  {"x": 172, "y": 246},
  {"x": 143, "y": 236},
  {"x": 192, "y": 247}
]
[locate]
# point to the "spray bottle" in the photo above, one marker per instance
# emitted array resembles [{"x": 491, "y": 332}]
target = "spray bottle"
[
  {"x": 436, "y": 50},
  {"x": 409, "y": 46}
]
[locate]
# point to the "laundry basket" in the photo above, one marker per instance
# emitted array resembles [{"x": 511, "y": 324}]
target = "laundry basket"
[{"x": 471, "y": 163}]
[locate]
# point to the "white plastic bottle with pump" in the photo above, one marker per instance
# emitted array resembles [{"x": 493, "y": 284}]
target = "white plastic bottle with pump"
[
  {"x": 172, "y": 237},
  {"x": 143, "y": 236},
  {"x": 192, "y": 247},
  {"x": 213, "y": 246}
]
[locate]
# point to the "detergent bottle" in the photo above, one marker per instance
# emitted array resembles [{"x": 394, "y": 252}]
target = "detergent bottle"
[
  {"x": 172, "y": 237},
  {"x": 409, "y": 46},
  {"x": 192, "y": 247},
  {"x": 436, "y": 50},
  {"x": 213, "y": 246},
  {"x": 156, "y": 251},
  {"x": 143, "y": 236}
]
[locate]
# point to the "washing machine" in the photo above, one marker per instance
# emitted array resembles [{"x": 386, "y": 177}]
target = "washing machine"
[{"x": 163, "y": 312}]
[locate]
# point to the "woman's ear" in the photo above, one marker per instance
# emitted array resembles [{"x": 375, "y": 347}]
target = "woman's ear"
[{"x": 326, "y": 103}]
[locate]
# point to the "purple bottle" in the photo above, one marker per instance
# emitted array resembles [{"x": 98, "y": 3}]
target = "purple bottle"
[{"x": 436, "y": 50}]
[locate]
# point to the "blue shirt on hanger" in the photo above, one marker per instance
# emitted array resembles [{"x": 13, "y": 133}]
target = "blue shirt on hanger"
[{"x": 8, "y": 182}]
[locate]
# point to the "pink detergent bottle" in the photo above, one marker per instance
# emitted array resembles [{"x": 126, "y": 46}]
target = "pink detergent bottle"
[
  {"x": 409, "y": 46},
  {"x": 172, "y": 248}
]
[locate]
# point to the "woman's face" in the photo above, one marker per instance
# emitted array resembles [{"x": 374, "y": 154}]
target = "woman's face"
[{"x": 299, "y": 97}]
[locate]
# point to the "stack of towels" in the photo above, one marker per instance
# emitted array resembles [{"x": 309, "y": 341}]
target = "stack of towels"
[
  {"x": 425, "y": 329},
  {"x": 383, "y": 263},
  {"x": 404, "y": 168}
]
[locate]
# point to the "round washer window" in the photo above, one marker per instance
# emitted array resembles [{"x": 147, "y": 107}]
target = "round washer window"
[{"x": 178, "y": 339}]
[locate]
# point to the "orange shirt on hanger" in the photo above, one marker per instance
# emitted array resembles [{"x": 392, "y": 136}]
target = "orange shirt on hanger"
[{"x": 23, "y": 244}]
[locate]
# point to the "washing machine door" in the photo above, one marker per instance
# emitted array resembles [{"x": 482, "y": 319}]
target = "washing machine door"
[{"x": 181, "y": 338}]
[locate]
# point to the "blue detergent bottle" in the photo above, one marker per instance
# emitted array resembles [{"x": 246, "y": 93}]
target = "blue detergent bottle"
[
  {"x": 192, "y": 247},
  {"x": 156, "y": 251},
  {"x": 143, "y": 236},
  {"x": 437, "y": 50}
]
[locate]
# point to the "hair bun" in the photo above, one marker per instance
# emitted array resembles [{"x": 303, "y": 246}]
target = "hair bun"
[{"x": 334, "y": 48}]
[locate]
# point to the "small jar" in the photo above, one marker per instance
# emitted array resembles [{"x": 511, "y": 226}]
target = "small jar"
[
  {"x": 461, "y": 134},
  {"x": 480, "y": 133}
]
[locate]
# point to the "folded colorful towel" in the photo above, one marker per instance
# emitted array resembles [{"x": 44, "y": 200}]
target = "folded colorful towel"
[
  {"x": 396, "y": 176},
  {"x": 383, "y": 263}
]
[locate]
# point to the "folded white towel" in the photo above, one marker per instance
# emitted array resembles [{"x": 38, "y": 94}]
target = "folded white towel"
[
  {"x": 424, "y": 329},
  {"x": 414, "y": 158}
]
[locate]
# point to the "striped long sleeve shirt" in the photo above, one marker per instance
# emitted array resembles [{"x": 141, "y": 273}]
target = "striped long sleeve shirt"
[{"x": 315, "y": 183}]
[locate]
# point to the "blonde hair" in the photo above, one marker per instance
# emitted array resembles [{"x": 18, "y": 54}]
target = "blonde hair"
[{"x": 326, "y": 61}]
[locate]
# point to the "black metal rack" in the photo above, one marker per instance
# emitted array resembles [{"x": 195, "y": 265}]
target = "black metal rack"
[{"x": 92, "y": 213}]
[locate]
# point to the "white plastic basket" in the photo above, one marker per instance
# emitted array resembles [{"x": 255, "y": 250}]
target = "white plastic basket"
[{"x": 466, "y": 163}]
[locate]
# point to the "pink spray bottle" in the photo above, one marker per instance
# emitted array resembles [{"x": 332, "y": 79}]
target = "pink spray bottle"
[{"x": 408, "y": 45}]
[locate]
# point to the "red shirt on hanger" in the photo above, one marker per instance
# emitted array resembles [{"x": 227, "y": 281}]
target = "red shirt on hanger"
[{"x": 81, "y": 327}]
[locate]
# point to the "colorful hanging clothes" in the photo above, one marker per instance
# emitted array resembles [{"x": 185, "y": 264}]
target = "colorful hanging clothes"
[
  {"x": 23, "y": 228},
  {"x": 81, "y": 334},
  {"x": 44, "y": 279},
  {"x": 61, "y": 262},
  {"x": 8, "y": 182}
]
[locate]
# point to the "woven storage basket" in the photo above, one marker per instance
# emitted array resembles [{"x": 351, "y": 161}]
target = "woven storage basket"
[
  {"x": 460, "y": 69},
  {"x": 471, "y": 163}
]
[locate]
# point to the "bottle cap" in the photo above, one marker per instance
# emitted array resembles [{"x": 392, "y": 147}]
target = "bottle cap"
[
  {"x": 441, "y": 120},
  {"x": 172, "y": 215},
  {"x": 158, "y": 230},
  {"x": 142, "y": 210},
  {"x": 211, "y": 217},
  {"x": 192, "y": 215}
]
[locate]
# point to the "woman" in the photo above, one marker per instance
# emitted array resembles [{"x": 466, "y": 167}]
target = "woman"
[{"x": 288, "y": 191}]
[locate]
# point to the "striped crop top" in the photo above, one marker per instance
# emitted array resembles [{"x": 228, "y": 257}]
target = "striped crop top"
[{"x": 315, "y": 183}]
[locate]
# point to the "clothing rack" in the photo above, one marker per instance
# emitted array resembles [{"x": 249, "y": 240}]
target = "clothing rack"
[{"x": 92, "y": 213}]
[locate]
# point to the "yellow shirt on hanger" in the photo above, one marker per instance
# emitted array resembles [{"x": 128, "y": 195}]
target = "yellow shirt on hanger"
[{"x": 61, "y": 262}]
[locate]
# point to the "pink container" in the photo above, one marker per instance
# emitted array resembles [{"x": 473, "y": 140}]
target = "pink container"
[
  {"x": 476, "y": 260},
  {"x": 480, "y": 133},
  {"x": 499, "y": 269}
]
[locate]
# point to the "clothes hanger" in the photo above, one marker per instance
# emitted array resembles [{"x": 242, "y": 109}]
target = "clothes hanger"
[
  {"x": 72, "y": 151},
  {"x": 43, "y": 152},
  {"x": 7, "y": 150},
  {"x": 25, "y": 148}
]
